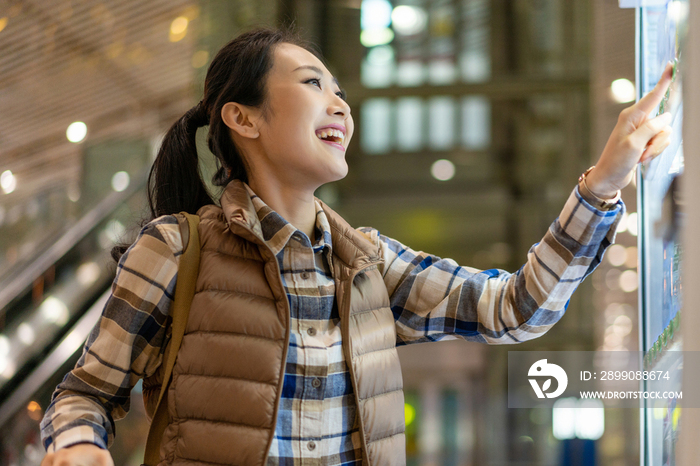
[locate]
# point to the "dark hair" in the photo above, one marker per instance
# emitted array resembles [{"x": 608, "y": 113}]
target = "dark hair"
[{"x": 236, "y": 74}]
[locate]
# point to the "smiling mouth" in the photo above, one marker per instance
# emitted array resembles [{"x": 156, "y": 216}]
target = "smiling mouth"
[{"x": 331, "y": 135}]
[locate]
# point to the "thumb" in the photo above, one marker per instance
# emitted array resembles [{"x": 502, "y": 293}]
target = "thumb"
[{"x": 642, "y": 135}]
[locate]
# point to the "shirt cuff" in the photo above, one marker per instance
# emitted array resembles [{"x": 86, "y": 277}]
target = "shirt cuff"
[
  {"x": 587, "y": 224},
  {"x": 594, "y": 201},
  {"x": 74, "y": 436}
]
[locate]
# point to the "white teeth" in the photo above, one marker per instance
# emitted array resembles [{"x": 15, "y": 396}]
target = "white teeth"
[{"x": 331, "y": 132}]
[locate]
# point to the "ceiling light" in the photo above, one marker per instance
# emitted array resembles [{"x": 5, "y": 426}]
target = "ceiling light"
[
  {"x": 179, "y": 25},
  {"x": 76, "y": 131},
  {"x": 178, "y": 29},
  {"x": 8, "y": 182}
]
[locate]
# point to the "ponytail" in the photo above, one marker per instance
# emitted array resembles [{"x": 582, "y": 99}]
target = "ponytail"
[{"x": 175, "y": 184}]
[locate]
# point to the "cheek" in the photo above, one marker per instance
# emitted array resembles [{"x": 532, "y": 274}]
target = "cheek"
[
  {"x": 296, "y": 125},
  {"x": 351, "y": 129}
]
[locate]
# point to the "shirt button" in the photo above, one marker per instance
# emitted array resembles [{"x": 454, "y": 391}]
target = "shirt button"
[
  {"x": 311, "y": 445},
  {"x": 305, "y": 275},
  {"x": 316, "y": 382},
  {"x": 311, "y": 331}
]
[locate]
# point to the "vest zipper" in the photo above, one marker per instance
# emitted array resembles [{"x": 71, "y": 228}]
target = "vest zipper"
[
  {"x": 345, "y": 332},
  {"x": 285, "y": 348}
]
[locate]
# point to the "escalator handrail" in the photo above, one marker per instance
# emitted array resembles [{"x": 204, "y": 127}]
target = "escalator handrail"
[
  {"x": 24, "y": 279},
  {"x": 69, "y": 344}
]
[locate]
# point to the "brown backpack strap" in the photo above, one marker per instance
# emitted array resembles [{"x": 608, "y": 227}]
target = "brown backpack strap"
[{"x": 187, "y": 272}]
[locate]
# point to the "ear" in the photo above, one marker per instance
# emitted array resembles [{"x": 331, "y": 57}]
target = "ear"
[{"x": 242, "y": 119}]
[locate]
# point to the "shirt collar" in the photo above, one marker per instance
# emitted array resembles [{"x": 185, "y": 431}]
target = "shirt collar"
[{"x": 277, "y": 232}]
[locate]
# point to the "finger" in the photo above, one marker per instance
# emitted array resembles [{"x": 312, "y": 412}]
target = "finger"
[
  {"x": 642, "y": 135},
  {"x": 657, "y": 145},
  {"x": 48, "y": 460},
  {"x": 648, "y": 155},
  {"x": 650, "y": 101}
]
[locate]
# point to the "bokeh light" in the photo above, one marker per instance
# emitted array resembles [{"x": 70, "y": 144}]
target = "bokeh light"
[
  {"x": 442, "y": 170},
  {"x": 632, "y": 223},
  {"x": 76, "y": 131},
  {"x": 178, "y": 29},
  {"x": 200, "y": 58},
  {"x": 628, "y": 281},
  {"x": 8, "y": 182},
  {"x": 120, "y": 181},
  {"x": 408, "y": 20},
  {"x": 616, "y": 254},
  {"x": 622, "y": 91}
]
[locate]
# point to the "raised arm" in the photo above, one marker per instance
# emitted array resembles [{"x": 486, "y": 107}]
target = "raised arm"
[{"x": 433, "y": 298}]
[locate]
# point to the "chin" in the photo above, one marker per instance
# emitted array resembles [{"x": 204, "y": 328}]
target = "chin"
[{"x": 340, "y": 173}]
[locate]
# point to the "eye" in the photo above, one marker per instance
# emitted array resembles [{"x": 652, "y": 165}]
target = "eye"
[
  {"x": 314, "y": 80},
  {"x": 341, "y": 94}
]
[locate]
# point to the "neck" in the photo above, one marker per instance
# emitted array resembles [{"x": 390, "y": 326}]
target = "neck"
[{"x": 294, "y": 204}]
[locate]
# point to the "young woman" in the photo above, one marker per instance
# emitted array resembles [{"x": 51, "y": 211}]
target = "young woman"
[{"x": 289, "y": 353}]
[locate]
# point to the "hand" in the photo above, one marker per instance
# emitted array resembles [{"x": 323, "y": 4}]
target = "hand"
[
  {"x": 82, "y": 454},
  {"x": 636, "y": 138}
]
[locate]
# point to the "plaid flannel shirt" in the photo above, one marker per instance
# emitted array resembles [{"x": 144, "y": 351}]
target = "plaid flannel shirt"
[{"x": 431, "y": 299}]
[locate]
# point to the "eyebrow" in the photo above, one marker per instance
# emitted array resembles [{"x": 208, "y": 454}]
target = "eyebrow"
[{"x": 317, "y": 70}]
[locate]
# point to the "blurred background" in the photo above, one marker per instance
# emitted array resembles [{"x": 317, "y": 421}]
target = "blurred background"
[{"x": 474, "y": 120}]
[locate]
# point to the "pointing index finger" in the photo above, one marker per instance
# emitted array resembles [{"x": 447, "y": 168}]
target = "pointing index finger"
[{"x": 650, "y": 101}]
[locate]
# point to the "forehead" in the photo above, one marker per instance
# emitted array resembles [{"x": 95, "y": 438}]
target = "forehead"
[{"x": 289, "y": 57}]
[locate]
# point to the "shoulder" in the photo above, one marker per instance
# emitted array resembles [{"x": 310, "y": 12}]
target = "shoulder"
[
  {"x": 160, "y": 236},
  {"x": 382, "y": 242},
  {"x": 372, "y": 235}
]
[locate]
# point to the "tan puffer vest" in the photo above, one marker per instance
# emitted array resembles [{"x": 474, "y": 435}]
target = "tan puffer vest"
[{"x": 229, "y": 371}]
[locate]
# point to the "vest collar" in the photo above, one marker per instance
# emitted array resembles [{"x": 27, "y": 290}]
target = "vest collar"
[{"x": 353, "y": 248}]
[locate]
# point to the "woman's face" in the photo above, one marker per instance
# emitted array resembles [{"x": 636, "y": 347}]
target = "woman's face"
[{"x": 308, "y": 125}]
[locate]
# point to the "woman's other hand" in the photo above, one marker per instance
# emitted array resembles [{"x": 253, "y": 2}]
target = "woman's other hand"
[
  {"x": 636, "y": 138},
  {"x": 82, "y": 454}
]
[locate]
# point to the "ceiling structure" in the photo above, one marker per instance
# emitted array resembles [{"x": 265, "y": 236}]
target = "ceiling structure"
[{"x": 114, "y": 65}]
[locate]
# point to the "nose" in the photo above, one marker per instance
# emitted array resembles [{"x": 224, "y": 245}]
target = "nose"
[{"x": 339, "y": 107}]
